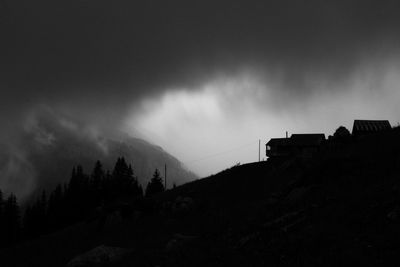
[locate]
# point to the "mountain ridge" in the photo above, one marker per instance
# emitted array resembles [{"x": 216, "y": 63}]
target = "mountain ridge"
[{"x": 52, "y": 145}]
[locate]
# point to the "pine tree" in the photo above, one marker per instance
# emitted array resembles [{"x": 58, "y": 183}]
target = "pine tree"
[
  {"x": 97, "y": 176},
  {"x": 1, "y": 208},
  {"x": 135, "y": 188},
  {"x": 95, "y": 184},
  {"x": 2, "y": 223},
  {"x": 42, "y": 212},
  {"x": 77, "y": 195},
  {"x": 28, "y": 222},
  {"x": 73, "y": 185},
  {"x": 11, "y": 220},
  {"x": 35, "y": 220},
  {"x": 107, "y": 187},
  {"x": 155, "y": 185},
  {"x": 56, "y": 208},
  {"x": 121, "y": 174},
  {"x": 123, "y": 180}
]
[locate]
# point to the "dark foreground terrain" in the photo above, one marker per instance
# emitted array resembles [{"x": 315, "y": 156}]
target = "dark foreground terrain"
[{"x": 341, "y": 207}]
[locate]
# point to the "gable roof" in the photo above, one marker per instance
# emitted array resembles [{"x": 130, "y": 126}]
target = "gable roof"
[
  {"x": 298, "y": 140},
  {"x": 278, "y": 142},
  {"x": 367, "y": 126},
  {"x": 307, "y": 139}
]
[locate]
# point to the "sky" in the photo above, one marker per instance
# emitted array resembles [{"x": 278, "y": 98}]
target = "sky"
[{"x": 205, "y": 80}]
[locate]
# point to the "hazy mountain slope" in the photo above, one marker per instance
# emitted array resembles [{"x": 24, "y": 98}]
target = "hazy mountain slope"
[{"x": 52, "y": 146}]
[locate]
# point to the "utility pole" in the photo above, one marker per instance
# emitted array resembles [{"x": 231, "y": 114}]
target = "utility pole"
[
  {"x": 259, "y": 149},
  {"x": 165, "y": 176}
]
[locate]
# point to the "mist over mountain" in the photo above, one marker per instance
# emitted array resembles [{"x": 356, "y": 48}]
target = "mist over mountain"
[{"x": 52, "y": 144}]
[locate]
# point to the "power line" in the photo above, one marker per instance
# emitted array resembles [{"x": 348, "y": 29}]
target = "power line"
[{"x": 219, "y": 153}]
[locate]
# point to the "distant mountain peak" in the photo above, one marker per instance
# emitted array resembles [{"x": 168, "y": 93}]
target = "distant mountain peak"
[{"x": 52, "y": 145}]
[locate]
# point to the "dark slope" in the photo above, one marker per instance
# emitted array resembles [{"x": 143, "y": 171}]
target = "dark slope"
[{"x": 340, "y": 208}]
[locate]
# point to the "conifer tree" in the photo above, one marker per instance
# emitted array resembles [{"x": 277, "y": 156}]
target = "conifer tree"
[
  {"x": 77, "y": 196},
  {"x": 27, "y": 222},
  {"x": 107, "y": 187},
  {"x": 135, "y": 188},
  {"x": 123, "y": 180},
  {"x": 11, "y": 220},
  {"x": 42, "y": 213},
  {"x": 35, "y": 220},
  {"x": 155, "y": 185},
  {"x": 96, "y": 183},
  {"x": 121, "y": 174},
  {"x": 97, "y": 176},
  {"x": 1, "y": 207},
  {"x": 55, "y": 208},
  {"x": 2, "y": 225},
  {"x": 1, "y": 201}
]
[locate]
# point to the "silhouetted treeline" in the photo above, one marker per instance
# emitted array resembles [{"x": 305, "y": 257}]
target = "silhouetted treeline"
[
  {"x": 72, "y": 202},
  {"x": 10, "y": 230}
]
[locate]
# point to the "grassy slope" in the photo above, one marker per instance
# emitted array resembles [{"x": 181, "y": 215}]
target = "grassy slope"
[{"x": 340, "y": 208}]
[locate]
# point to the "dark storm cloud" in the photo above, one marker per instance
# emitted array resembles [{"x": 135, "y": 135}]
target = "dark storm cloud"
[
  {"x": 76, "y": 48},
  {"x": 96, "y": 58}
]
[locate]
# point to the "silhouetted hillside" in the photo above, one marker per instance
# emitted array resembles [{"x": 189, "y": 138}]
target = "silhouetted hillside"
[
  {"x": 53, "y": 145},
  {"x": 339, "y": 208}
]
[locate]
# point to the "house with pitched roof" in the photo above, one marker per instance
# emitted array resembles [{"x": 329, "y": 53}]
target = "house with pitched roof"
[{"x": 303, "y": 145}]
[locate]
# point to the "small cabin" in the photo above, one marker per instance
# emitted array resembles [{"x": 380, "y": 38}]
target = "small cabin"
[
  {"x": 278, "y": 147},
  {"x": 302, "y": 145},
  {"x": 363, "y": 127}
]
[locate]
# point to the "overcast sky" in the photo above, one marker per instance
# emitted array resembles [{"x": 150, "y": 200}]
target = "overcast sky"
[{"x": 203, "y": 79}]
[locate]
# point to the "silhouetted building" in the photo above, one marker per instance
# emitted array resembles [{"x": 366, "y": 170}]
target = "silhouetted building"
[
  {"x": 362, "y": 127},
  {"x": 306, "y": 145},
  {"x": 301, "y": 145},
  {"x": 278, "y": 147}
]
